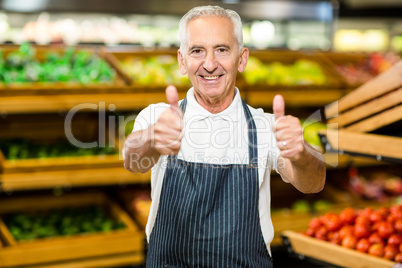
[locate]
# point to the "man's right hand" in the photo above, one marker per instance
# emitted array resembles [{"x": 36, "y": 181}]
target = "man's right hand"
[{"x": 168, "y": 129}]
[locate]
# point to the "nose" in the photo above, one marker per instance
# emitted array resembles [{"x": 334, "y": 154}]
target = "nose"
[{"x": 210, "y": 63}]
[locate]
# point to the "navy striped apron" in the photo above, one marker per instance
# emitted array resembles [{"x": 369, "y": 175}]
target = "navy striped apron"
[{"x": 208, "y": 214}]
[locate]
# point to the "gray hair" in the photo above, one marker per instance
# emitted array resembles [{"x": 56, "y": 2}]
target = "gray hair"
[{"x": 202, "y": 11}]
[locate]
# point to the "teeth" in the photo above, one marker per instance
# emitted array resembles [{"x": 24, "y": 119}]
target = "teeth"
[{"x": 211, "y": 77}]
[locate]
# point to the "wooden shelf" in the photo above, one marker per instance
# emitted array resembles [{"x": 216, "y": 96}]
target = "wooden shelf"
[
  {"x": 140, "y": 100},
  {"x": 71, "y": 178},
  {"x": 295, "y": 97},
  {"x": 331, "y": 253},
  {"x": 105, "y": 261},
  {"x": 61, "y": 103},
  {"x": 334, "y": 161},
  {"x": 67, "y": 248}
]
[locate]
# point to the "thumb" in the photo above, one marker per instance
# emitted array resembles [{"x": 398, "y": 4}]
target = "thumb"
[
  {"x": 278, "y": 106},
  {"x": 172, "y": 96}
]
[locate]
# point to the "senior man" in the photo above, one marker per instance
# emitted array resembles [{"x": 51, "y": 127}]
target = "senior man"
[{"x": 211, "y": 155}]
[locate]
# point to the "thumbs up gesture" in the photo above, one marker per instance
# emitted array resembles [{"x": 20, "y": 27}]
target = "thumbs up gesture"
[
  {"x": 288, "y": 131},
  {"x": 168, "y": 129}
]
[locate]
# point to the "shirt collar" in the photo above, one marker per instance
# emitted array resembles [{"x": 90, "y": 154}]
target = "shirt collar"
[{"x": 196, "y": 112}]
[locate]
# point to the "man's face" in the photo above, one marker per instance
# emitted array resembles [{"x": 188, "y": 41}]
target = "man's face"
[{"x": 211, "y": 57}]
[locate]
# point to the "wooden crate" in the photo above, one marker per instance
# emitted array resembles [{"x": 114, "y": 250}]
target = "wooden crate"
[
  {"x": 56, "y": 249},
  {"x": 331, "y": 253},
  {"x": 374, "y": 106},
  {"x": 47, "y": 130},
  {"x": 287, "y": 219},
  {"x": 359, "y": 60},
  {"x": 51, "y": 88},
  {"x": 334, "y": 59},
  {"x": 137, "y": 202},
  {"x": 115, "y": 57},
  {"x": 287, "y": 57}
]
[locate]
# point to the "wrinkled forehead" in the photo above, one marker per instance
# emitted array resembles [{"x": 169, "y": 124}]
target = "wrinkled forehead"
[{"x": 210, "y": 28}]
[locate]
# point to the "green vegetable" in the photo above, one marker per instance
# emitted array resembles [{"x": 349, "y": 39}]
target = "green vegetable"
[
  {"x": 66, "y": 221},
  {"x": 72, "y": 66},
  {"x": 25, "y": 149}
]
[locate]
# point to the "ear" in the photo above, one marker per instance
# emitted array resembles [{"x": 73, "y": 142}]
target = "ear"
[
  {"x": 180, "y": 58},
  {"x": 243, "y": 59}
]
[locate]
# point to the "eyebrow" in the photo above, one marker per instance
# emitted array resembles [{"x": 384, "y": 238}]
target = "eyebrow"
[
  {"x": 216, "y": 46},
  {"x": 222, "y": 45}
]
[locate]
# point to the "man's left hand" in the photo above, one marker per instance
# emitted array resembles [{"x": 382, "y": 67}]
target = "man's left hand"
[{"x": 288, "y": 131}]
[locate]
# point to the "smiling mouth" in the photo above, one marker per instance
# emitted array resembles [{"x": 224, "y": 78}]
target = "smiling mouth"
[{"x": 212, "y": 77}]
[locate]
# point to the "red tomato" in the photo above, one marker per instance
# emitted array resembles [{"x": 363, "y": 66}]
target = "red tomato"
[
  {"x": 345, "y": 230},
  {"x": 362, "y": 220},
  {"x": 398, "y": 257},
  {"x": 396, "y": 210},
  {"x": 332, "y": 221},
  {"x": 390, "y": 252},
  {"x": 310, "y": 232},
  {"x": 377, "y": 216},
  {"x": 398, "y": 225},
  {"x": 315, "y": 223},
  {"x": 376, "y": 250},
  {"x": 400, "y": 248},
  {"x": 391, "y": 218},
  {"x": 347, "y": 216},
  {"x": 375, "y": 238},
  {"x": 384, "y": 211},
  {"x": 361, "y": 230},
  {"x": 363, "y": 245},
  {"x": 366, "y": 212},
  {"x": 375, "y": 226},
  {"x": 385, "y": 229},
  {"x": 320, "y": 236},
  {"x": 334, "y": 238},
  {"x": 349, "y": 242},
  {"x": 321, "y": 233},
  {"x": 398, "y": 213},
  {"x": 394, "y": 240}
]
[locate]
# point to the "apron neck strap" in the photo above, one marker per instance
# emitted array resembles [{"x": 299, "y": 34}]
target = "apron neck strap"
[{"x": 252, "y": 136}]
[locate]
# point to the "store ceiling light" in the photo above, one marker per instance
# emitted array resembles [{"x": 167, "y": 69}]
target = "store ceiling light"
[{"x": 24, "y": 5}]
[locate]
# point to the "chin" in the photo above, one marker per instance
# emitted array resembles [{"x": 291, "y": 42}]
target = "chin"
[{"x": 211, "y": 92}]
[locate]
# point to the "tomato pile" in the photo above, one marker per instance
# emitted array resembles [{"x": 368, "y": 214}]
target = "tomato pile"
[{"x": 377, "y": 232}]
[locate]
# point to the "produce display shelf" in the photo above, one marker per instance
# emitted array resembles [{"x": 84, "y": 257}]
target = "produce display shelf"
[
  {"x": 59, "y": 163},
  {"x": 71, "y": 178},
  {"x": 379, "y": 147},
  {"x": 140, "y": 100},
  {"x": 294, "y": 97},
  {"x": 116, "y": 260},
  {"x": 333, "y": 254},
  {"x": 61, "y": 103},
  {"x": 336, "y": 160},
  {"x": 50, "y": 87},
  {"x": 115, "y": 57},
  {"x": 56, "y": 89},
  {"x": 332, "y": 59},
  {"x": 126, "y": 240},
  {"x": 282, "y": 58},
  {"x": 357, "y": 122}
]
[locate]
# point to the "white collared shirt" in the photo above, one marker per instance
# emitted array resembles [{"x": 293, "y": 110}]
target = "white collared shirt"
[{"x": 217, "y": 139}]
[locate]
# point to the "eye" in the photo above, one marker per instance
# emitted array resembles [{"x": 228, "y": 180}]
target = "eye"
[
  {"x": 196, "y": 51},
  {"x": 222, "y": 50}
]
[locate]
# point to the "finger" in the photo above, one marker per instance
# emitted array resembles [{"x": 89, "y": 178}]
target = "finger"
[
  {"x": 278, "y": 106},
  {"x": 172, "y": 96}
]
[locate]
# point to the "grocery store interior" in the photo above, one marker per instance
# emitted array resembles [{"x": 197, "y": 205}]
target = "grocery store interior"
[{"x": 75, "y": 74}]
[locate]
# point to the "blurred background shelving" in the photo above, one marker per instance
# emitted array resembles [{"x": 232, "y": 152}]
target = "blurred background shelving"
[{"x": 330, "y": 48}]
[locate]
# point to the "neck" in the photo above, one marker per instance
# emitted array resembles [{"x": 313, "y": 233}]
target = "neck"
[{"x": 214, "y": 105}]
